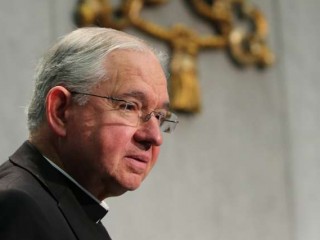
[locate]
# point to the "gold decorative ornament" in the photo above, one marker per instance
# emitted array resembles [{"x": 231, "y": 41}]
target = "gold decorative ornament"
[{"x": 245, "y": 46}]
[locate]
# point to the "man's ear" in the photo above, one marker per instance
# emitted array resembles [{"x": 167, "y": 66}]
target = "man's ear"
[{"x": 58, "y": 102}]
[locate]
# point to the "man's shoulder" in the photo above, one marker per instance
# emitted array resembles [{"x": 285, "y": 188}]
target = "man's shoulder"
[
  {"x": 22, "y": 170},
  {"x": 13, "y": 199},
  {"x": 25, "y": 216},
  {"x": 15, "y": 177},
  {"x": 23, "y": 199},
  {"x": 21, "y": 186}
]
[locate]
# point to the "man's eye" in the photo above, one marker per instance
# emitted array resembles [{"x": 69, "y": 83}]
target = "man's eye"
[
  {"x": 160, "y": 116},
  {"x": 127, "y": 106}
]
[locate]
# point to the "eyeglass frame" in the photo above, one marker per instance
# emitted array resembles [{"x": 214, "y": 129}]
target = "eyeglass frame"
[{"x": 143, "y": 117}]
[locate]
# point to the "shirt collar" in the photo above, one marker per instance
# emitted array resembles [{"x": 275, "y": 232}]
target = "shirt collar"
[{"x": 102, "y": 203}]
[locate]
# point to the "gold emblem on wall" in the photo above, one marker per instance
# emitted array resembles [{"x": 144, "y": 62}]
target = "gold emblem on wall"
[{"x": 227, "y": 18}]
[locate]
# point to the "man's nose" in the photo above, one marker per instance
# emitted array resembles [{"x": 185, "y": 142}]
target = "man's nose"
[{"x": 149, "y": 131}]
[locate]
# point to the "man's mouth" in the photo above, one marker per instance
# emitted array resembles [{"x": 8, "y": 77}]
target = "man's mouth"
[{"x": 138, "y": 163}]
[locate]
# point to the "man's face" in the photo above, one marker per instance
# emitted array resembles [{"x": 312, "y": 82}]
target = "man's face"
[{"x": 104, "y": 152}]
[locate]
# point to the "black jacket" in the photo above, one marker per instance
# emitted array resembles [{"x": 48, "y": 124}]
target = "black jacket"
[{"x": 37, "y": 202}]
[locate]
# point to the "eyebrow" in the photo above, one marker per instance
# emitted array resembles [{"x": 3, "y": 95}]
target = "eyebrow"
[{"x": 142, "y": 98}]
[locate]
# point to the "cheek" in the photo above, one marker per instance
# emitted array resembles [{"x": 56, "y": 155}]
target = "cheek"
[
  {"x": 155, "y": 155},
  {"x": 113, "y": 143}
]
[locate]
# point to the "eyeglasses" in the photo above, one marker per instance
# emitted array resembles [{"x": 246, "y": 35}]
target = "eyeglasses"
[{"x": 134, "y": 115}]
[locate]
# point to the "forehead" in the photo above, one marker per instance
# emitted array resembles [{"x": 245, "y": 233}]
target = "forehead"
[{"x": 136, "y": 72}]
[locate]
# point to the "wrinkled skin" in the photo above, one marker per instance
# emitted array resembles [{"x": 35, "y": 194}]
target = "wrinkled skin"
[{"x": 98, "y": 148}]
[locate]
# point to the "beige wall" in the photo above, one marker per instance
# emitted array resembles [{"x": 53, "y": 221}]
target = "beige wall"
[{"x": 245, "y": 168}]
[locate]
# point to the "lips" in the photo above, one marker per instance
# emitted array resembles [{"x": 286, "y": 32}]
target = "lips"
[
  {"x": 140, "y": 158},
  {"x": 137, "y": 163}
]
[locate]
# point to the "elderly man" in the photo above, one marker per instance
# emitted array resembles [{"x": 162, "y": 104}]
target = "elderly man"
[{"x": 95, "y": 121}]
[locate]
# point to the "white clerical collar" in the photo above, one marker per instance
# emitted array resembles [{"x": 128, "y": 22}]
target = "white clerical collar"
[{"x": 102, "y": 203}]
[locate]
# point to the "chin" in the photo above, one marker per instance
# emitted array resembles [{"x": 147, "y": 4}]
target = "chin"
[
  {"x": 121, "y": 189},
  {"x": 121, "y": 183},
  {"x": 132, "y": 183},
  {"x": 132, "y": 186}
]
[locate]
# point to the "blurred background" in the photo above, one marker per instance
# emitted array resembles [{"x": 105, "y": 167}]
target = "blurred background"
[{"x": 245, "y": 168}]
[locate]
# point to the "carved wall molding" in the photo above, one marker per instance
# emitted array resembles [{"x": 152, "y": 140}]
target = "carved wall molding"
[{"x": 246, "y": 46}]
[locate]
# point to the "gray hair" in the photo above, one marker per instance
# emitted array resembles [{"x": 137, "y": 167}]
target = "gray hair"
[{"x": 76, "y": 62}]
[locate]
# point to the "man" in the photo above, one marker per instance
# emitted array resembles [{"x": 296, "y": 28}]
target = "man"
[{"x": 95, "y": 121}]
